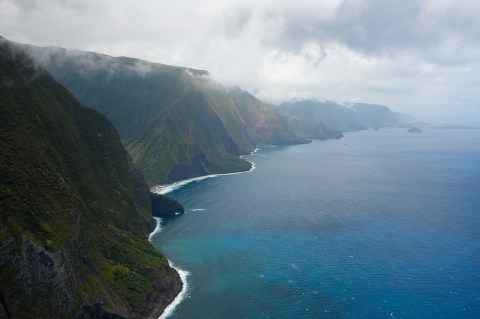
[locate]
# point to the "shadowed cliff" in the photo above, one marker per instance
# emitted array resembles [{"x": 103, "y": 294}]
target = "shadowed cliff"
[{"x": 74, "y": 211}]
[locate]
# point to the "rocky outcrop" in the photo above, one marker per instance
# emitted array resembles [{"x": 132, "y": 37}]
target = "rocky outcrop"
[
  {"x": 43, "y": 277},
  {"x": 165, "y": 206}
]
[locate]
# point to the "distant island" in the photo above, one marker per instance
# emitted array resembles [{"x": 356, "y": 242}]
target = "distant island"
[{"x": 415, "y": 130}]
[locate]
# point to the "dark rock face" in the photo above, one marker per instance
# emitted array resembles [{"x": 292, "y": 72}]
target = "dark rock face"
[
  {"x": 37, "y": 273},
  {"x": 96, "y": 311},
  {"x": 165, "y": 206},
  {"x": 3, "y": 311},
  {"x": 74, "y": 211},
  {"x": 195, "y": 168}
]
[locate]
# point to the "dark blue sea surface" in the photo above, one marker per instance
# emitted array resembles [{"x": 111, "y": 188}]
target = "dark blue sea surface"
[{"x": 379, "y": 224}]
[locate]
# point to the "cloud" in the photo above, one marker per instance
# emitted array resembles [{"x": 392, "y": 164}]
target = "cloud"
[{"x": 420, "y": 57}]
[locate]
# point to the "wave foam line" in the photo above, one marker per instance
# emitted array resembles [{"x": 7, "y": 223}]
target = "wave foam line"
[
  {"x": 167, "y": 188},
  {"x": 168, "y": 311},
  {"x": 157, "y": 229},
  {"x": 182, "y": 295}
]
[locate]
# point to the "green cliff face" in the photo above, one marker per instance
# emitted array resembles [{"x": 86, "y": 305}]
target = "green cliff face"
[
  {"x": 175, "y": 122},
  {"x": 74, "y": 212}
]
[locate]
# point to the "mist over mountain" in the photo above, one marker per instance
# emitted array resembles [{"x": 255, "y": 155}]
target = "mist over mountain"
[
  {"x": 179, "y": 123},
  {"x": 175, "y": 122},
  {"x": 74, "y": 211},
  {"x": 343, "y": 117}
]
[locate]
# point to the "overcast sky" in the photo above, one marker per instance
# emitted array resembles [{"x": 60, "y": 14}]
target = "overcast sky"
[{"x": 418, "y": 57}]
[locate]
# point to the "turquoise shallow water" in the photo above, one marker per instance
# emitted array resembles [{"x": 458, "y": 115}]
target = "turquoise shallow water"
[{"x": 379, "y": 224}]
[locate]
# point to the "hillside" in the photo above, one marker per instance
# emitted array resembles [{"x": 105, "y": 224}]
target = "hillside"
[
  {"x": 335, "y": 116},
  {"x": 74, "y": 212},
  {"x": 175, "y": 122}
]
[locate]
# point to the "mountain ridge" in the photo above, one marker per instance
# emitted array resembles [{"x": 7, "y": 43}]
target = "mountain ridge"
[{"x": 175, "y": 122}]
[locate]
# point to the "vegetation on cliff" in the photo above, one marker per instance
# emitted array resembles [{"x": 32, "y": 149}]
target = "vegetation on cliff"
[
  {"x": 175, "y": 122},
  {"x": 74, "y": 211}
]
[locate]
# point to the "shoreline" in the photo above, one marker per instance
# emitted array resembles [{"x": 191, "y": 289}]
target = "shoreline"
[
  {"x": 168, "y": 311},
  {"x": 163, "y": 189},
  {"x": 183, "y": 274}
]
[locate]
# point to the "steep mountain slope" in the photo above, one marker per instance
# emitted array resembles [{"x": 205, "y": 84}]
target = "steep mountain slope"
[
  {"x": 74, "y": 212},
  {"x": 335, "y": 116},
  {"x": 200, "y": 134},
  {"x": 263, "y": 123},
  {"x": 175, "y": 122}
]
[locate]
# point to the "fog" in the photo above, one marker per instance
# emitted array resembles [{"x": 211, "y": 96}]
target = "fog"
[{"x": 418, "y": 57}]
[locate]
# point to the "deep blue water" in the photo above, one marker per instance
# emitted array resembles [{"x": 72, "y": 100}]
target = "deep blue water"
[{"x": 379, "y": 224}]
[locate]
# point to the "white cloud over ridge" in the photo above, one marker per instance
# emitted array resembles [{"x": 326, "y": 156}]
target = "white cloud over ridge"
[{"x": 419, "y": 57}]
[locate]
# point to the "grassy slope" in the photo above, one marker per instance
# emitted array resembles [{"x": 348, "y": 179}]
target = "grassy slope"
[{"x": 74, "y": 211}]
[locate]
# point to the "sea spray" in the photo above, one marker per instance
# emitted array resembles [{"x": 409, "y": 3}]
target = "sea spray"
[
  {"x": 182, "y": 273},
  {"x": 157, "y": 229},
  {"x": 179, "y": 298}
]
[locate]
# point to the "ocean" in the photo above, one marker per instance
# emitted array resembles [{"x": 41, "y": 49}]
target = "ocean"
[{"x": 378, "y": 224}]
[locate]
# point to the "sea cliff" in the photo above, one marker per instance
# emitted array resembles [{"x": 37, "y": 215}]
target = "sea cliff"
[{"x": 74, "y": 211}]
